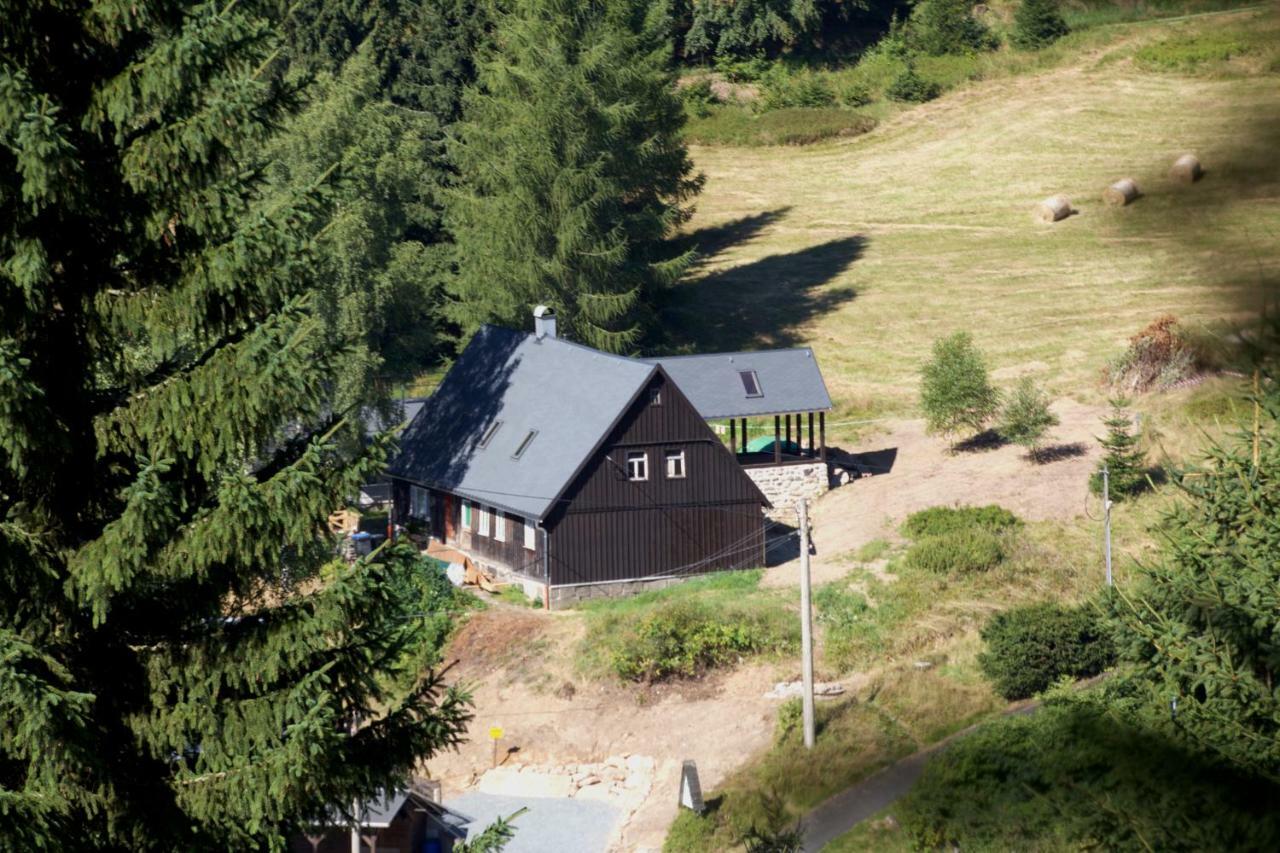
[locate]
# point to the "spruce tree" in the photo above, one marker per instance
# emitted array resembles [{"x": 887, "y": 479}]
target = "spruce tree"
[
  {"x": 573, "y": 171},
  {"x": 1037, "y": 23},
  {"x": 1201, "y": 628},
  {"x": 183, "y": 666},
  {"x": 955, "y": 391},
  {"x": 1123, "y": 458}
]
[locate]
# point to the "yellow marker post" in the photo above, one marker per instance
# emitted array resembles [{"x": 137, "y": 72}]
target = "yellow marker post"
[{"x": 495, "y": 735}]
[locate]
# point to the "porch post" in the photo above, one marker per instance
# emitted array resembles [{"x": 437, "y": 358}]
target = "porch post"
[
  {"x": 788, "y": 417},
  {"x": 822, "y": 436},
  {"x": 733, "y": 435},
  {"x": 744, "y": 435},
  {"x": 777, "y": 440},
  {"x": 811, "y": 452}
]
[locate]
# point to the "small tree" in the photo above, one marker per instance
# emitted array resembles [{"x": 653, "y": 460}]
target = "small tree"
[
  {"x": 1124, "y": 460},
  {"x": 939, "y": 27},
  {"x": 1038, "y": 23},
  {"x": 1026, "y": 416},
  {"x": 1201, "y": 629},
  {"x": 955, "y": 391}
]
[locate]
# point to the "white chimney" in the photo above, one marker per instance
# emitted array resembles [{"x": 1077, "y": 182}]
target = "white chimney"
[{"x": 544, "y": 322}]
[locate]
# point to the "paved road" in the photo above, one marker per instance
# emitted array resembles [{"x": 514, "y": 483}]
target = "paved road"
[
  {"x": 551, "y": 824},
  {"x": 841, "y": 812}
]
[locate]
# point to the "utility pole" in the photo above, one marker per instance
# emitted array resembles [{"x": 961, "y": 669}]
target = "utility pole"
[
  {"x": 806, "y": 624},
  {"x": 1106, "y": 516}
]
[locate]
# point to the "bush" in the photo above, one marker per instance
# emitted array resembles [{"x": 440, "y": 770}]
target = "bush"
[
  {"x": 1076, "y": 776},
  {"x": 974, "y": 549},
  {"x": 1159, "y": 356},
  {"x": 910, "y": 87},
  {"x": 855, "y": 94},
  {"x": 938, "y": 27},
  {"x": 698, "y": 99},
  {"x": 784, "y": 89},
  {"x": 686, "y": 638},
  {"x": 731, "y": 125},
  {"x": 1029, "y": 648},
  {"x": 1038, "y": 23},
  {"x": 955, "y": 392},
  {"x": 937, "y": 520}
]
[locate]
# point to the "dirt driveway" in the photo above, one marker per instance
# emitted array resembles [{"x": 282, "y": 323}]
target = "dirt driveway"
[{"x": 916, "y": 471}]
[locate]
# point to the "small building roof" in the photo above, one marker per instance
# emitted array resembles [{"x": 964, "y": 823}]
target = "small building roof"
[
  {"x": 781, "y": 381},
  {"x": 516, "y": 418},
  {"x": 382, "y": 811}
]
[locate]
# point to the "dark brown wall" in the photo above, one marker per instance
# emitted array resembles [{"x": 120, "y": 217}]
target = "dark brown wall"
[
  {"x": 510, "y": 553},
  {"x": 612, "y": 528}
]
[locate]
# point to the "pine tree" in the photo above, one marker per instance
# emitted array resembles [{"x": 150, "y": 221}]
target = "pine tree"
[
  {"x": 1038, "y": 23},
  {"x": 574, "y": 171},
  {"x": 1124, "y": 460},
  {"x": 389, "y": 86},
  {"x": 1201, "y": 629},
  {"x": 182, "y": 664},
  {"x": 939, "y": 27},
  {"x": 955, "y": 391},
  {"x": 1026, "y": 416}
]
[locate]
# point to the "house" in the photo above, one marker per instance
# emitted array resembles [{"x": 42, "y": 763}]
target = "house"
[
  {"x": 400, "y": 821},
  {"x": 580, "y": 473}
]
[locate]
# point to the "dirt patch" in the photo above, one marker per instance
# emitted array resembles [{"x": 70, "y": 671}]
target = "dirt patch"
[{"x": 924, "y": 472}]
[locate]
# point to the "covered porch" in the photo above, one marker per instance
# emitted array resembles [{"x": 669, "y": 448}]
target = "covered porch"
[{"x": 796, "y": 438}]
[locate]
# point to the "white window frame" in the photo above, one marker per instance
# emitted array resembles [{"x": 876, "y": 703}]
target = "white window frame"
[
  {"x": 669, "y": 456},
  {"x": 499, "y": 526},
  {"x": 484, "y": 520},
  {"x": 641, "y": 473},
  {"x": 466, "y": 515},
  {"x": 530, "y": 535},
  {"x": 419, "y": 503}
]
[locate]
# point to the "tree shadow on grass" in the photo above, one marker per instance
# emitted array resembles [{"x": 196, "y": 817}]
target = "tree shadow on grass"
[
  {"x": 984, "y": 441},
  {"x": 759, "y": 304},
  {"x": 711, "y": 241}
]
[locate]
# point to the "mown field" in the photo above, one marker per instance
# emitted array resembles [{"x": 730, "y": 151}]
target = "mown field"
[{"x": 868, "y": 249}]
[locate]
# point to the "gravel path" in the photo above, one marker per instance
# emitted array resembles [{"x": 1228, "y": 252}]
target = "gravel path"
[{"x": 551, "y": 824}]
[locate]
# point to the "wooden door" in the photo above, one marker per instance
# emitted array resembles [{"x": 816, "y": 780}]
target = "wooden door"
[{"x": 450, "y": 528}]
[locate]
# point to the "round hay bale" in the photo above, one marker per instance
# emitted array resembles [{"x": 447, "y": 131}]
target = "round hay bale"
[
  {"x": 1121, "y": 192},
  {"x": 1054, "y": 208},
  {"x": 1186, "y": 169}
]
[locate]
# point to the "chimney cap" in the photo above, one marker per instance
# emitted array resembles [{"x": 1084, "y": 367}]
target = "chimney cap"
[{"x": 544, "y": 311}]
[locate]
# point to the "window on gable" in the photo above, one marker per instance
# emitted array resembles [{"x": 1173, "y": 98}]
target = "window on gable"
[
  {"x": 751, "y": 383},
  {"x": 675, "y": 464},
  {"x": 489, "y": 433},
  {"x": 637, "y": 465},
  {"x": 655, "y": 396},
  {"x": 524, "y": 444}
]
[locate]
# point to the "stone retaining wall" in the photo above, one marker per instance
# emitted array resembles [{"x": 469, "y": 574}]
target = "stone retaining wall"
[{"x": 785, "y": 485}]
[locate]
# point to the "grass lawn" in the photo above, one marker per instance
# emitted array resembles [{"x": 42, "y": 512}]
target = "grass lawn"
[{"x": 869, "y": 249}]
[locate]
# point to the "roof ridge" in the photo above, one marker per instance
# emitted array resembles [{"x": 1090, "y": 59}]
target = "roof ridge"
[{"x": 727, "y": 353}]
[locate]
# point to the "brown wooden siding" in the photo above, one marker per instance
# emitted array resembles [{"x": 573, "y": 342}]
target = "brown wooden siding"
[{"x": 610, "y": 528}]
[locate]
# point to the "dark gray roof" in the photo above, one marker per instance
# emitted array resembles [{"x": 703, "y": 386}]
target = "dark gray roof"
[
  {"x": 379, "y": 813},
  {"x": 789, "y": 381},
  {"x": 570, "y": 394}
]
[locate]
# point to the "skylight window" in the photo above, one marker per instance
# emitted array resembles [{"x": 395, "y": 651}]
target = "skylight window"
[
  {"x": 524, "y": 444},
  {"x": 751, "y": 383},
  {"x": 490, "y": 433}
]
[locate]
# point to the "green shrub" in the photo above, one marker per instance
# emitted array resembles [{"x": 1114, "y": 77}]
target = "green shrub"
[
  {"x": 1038, "y": 23},
  {"x": 1079, "y": 776},
  {"x": 733, "y": 125},
  {"x": 937, "y": 520},
  {"x": 1025, "y": 417},
  {"x": 855, "y": 94},
  {"x": 686, "y": 638},
  {"x": 910, "y": 87},
  {"x": 784, "y": 89},
  {"x": 698, "y": 99},
  {"x": 938, "y": 27},
  {"x": 743, "y": 69},
  {"x": 1029, "y": 648},
  {"x": 974, "y": 549}
]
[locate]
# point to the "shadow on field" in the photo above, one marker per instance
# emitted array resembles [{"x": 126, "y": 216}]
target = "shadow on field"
[
  {"x": 711, "y": 241},
  {"x": 760, "y": 304}
]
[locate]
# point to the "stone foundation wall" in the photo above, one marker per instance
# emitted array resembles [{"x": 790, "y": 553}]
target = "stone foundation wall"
[
  {"x": 785, "y": 485},
  {"x": 563, "y": 596}
]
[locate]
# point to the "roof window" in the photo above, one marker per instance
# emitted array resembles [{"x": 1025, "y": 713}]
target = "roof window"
[
  {"x": 524, "y": 444},
  {"x": 489, "y": 433},
  {"x": 751, "y": 383}
]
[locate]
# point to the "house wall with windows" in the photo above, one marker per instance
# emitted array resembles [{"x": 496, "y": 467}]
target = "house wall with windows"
[{"x": 663, "y": 496}]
